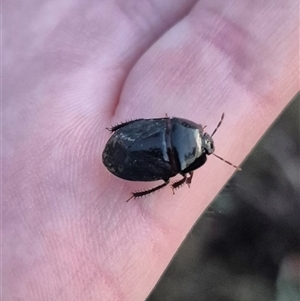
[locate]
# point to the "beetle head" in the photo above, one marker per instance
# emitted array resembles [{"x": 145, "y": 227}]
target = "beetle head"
[{"x": 208, "y": 144}]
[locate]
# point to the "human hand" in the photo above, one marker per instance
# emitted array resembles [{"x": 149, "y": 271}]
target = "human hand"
[{"x": 71, "y": 69}]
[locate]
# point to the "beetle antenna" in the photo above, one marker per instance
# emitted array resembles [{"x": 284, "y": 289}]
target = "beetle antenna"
[
  {"x": 236, "y": 167},
  {"x": 220, "y": 122}
]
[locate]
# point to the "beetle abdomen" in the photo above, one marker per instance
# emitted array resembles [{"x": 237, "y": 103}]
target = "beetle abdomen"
[{"x": 139, "y": 151}]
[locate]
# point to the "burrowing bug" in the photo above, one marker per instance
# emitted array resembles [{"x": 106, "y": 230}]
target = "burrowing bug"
[{"x": 158, "y": 149}]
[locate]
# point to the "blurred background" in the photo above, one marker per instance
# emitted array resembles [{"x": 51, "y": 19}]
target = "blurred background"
[{"x": 246, "y": 246}]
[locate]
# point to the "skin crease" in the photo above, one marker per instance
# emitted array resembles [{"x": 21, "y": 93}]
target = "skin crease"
[{"x": 73, "y": 68}]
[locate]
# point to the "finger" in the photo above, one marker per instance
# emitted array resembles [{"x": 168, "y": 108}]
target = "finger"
[
  {"x": 80, "y": 43},
  {"x": 209, "y": 63}
]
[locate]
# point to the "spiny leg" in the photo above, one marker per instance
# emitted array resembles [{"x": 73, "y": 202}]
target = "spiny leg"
[
  {"x": 185, "y": 179},
  {"x": 179, "y": 183},
  {"x": 138, "y": 194},
  {"x": 118, "y": 126}
]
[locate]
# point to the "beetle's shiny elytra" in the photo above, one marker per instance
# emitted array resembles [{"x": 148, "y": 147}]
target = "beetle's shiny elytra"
[{"x": 158, "y": 149}]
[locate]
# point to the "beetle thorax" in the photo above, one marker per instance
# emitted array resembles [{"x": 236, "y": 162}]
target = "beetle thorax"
[{"x": 187, "y": 145}]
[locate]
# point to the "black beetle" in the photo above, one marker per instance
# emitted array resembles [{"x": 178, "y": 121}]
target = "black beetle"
[{"x": 158, "y": 149}]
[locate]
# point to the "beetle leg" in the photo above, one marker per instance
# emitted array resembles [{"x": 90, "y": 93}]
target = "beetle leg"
[
  {"x": 185, "y": 179},
  {"x": 118, "y": 126},
  {"x": 138, "y": 194},
  {"x": 189, "y": 179},
  {"x": 179, "y": 183}
]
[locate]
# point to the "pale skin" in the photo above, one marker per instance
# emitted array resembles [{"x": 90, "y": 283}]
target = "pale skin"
[{"x": 71, "y": 69}]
